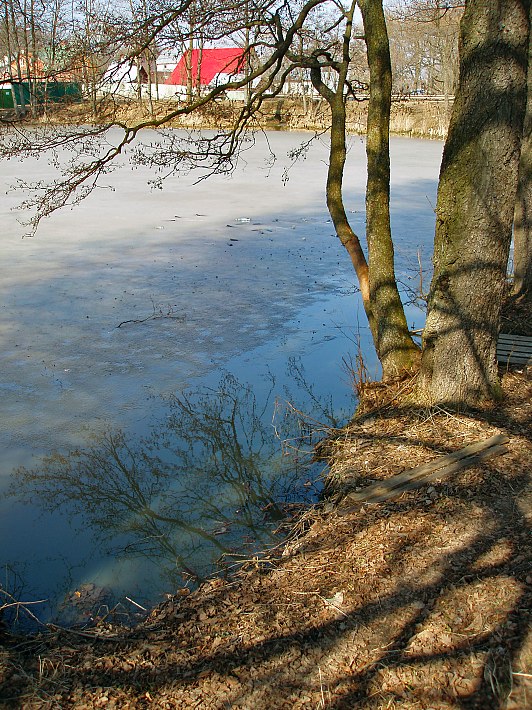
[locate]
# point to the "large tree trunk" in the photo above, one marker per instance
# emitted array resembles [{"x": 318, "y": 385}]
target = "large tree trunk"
[
  {"x": 395, "y": 347},
  {"x": 476, "y": 198},
  {"x": 523, "y": 205}
]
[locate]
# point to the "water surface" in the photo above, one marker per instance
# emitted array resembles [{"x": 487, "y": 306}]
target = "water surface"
[{"x": 133, "y": 323}]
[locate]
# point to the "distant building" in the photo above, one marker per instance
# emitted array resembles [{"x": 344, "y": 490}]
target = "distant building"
[
  {"x": 208, "y": 67},
  {"x": 172, "y": 74},
  {"x": 42, "y": 67},
  {"x": 21, "y": 66},
  {"x": 166, "y": 63}
]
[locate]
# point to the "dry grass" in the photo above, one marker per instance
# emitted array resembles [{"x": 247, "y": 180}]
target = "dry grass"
[{"x": 420, "y": 119}]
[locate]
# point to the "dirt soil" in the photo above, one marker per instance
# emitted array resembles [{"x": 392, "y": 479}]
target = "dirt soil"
[{"x": 419, "y": 602}]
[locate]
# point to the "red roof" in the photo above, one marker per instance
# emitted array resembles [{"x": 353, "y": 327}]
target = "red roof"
[{"x": 227, "y": 60}]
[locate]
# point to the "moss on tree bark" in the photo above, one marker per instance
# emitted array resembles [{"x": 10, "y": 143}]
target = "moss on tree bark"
[
  {"x": 395, "y": 347},
  {"x": 476, "y": 198},
  {"x": 523, "y": 205}
]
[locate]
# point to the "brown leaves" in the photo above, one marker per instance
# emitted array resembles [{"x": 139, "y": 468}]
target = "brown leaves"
[{"x": 405, "y": 604}]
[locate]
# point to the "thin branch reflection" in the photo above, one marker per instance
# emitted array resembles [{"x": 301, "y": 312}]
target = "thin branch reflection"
[{"x": 211, "y": 481}]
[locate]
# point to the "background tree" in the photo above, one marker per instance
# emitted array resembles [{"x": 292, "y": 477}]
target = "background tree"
[
  {"x": 424, "y": 45},
  {"x": 476, "y": 198}
]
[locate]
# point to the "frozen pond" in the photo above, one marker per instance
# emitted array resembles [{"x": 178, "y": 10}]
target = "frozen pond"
[{"x": 120, "y": 313}]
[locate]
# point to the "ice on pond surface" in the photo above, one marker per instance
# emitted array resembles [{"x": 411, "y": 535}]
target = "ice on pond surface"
[{"x": 121, "y": 311}]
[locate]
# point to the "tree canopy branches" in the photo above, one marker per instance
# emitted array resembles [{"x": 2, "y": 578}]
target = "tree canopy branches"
[{"x": 314, "y": 42}]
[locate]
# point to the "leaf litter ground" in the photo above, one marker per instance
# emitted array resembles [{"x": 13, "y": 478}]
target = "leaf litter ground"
[{"x": 419, "y": 602}]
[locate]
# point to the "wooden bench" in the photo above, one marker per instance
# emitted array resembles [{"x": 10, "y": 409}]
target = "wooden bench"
[
  {"x": 514, "y": 350},
  {"x": 439, "y": 468}
]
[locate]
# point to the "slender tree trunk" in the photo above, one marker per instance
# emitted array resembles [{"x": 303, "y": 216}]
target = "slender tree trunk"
[
  {"x": 198, "y": 69},
  {"x": 37, "y": 80},
  {"x": 19, "y": 52},
  {"x": 28, "y": 61},
  {"x": 335, "y": 201},
  {"x": 14, "y": 96},
  {"x": 188, "y": 60},
  {"x": 247, "y": 65},
  {"x": 523, "y": 205},
  {"x": 149, "y": 70},
  {"x": 395, "y": 347},
  {"x": 335, "y": 173},
  {"x": 476, "y": 198}
]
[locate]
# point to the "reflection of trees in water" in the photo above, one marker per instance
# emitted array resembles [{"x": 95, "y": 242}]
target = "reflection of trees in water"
[
  {"x": 299, "y": 430},
  {"x": 209, "y": 479}
]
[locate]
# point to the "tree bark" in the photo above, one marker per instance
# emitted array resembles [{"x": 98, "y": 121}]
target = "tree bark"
[
  {"x": 395, "y": 347},
  {"x": 476, "y": 198},
  {"x": 335, "y": 203},
  {"x": 523, "y": 206},
  {"x": 337, "y": 157}
]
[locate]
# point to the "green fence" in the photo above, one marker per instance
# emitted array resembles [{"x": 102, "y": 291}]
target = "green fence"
[
  {"x": 16, "y": 91},
  {"x": 53, "y": 92}
]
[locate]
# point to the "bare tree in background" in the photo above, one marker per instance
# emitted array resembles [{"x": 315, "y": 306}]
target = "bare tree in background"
[{"x": 424, "y": 45}]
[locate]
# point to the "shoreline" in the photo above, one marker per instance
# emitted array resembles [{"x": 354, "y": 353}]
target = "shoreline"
[
  {"x": 413, "y": 118},
  {"x": 415, "y": 602}
]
